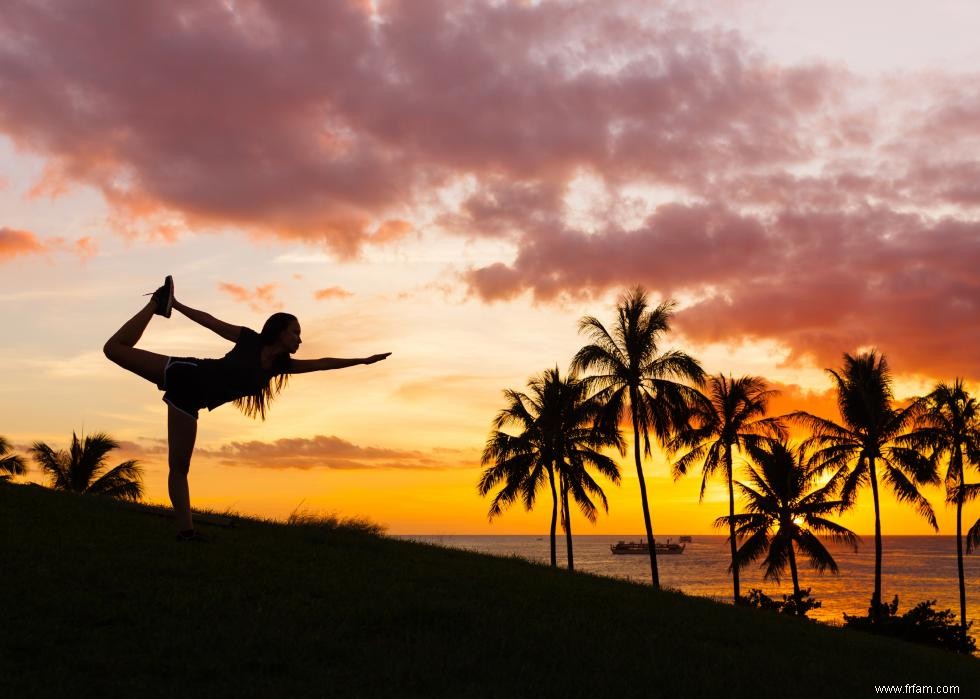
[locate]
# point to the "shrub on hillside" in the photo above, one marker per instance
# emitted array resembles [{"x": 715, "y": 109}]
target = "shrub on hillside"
[
  {"x": 921, "y": 624},
  {"x": 788, "y": 605}
]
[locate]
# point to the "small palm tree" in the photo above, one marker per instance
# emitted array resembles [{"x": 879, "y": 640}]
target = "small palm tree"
[
  {"x": 731, "y": 416},
  {"x": 874, "y": 435},
  {"x": 10, "y": 464},
  {"x": 557, "y": 439},
  {"x": 784, "y": 515},
  {"x": 82, "y": 468},
  {"x": 637, "y": 381},
  {"x": 953, "y": 416},
  {"x": 571, "y": 423},
  {"x": 522, "y": 462}
]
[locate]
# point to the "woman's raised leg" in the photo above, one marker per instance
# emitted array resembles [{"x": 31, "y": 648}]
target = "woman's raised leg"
[
  {"x": 120, "y": 347},
  {"x": 181, "y": 435}
]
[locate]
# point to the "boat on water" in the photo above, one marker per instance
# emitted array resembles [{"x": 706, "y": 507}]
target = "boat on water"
[
  {"x": 636, "y": 547},
  {"x": 686, "y": 540}
]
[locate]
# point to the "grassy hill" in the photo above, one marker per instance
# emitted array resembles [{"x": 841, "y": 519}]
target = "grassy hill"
[{"x": 98, "y": 600}]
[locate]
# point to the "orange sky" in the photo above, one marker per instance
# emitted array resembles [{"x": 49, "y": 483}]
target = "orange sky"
[{"x": 459, "y": 184}]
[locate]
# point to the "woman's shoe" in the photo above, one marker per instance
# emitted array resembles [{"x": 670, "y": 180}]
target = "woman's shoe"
[
  {"x": 164, "y": 298},
  {"x": 192, "y": 535}
]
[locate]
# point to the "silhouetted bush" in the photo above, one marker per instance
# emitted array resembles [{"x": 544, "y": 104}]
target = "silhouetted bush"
[
  {"x": 921, "y": 624},
  {"x": 788, "y": 605}
]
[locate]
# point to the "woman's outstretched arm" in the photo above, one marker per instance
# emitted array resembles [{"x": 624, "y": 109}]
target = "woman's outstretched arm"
[
  {"x": 226, "y": 330},
  {"x": 301, "y": 366}
]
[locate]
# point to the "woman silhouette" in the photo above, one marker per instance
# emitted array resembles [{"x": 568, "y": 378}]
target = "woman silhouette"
[{"x": 250, "y": 375}]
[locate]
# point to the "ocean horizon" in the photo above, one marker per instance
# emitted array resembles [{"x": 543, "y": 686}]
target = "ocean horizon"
[{"x": 914, "y": 567}]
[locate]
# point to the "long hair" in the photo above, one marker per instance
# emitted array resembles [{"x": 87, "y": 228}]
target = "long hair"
[{"x": 255, "y": 404}]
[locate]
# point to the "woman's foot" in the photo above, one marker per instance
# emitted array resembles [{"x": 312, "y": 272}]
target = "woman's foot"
[
  {"x": 191, "y": 535},
  {"x": 164, "y": 298}
]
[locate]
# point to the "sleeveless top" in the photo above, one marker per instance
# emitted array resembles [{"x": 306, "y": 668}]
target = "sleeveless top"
[{"x": 239, "y": 373}]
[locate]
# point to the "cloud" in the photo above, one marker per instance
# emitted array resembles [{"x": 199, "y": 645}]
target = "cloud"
[
  {"x": 14, "y": 243},
  {"x": 800, "y": 203},
  {"x": 324, "y": 452},
  {"x": 331, "y": 292},
  {"x": 226, "y": 114},
  {"x": 261, "y": 298}
]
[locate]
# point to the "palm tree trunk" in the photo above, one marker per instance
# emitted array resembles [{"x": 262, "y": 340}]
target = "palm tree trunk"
[
  {"x": 959, "y": 543},
  {"x": 796, "y": 577},
  {"x": 643, "y": 497},
  {"x": 731, "y": 521},
  {"x": 876, "y": 595},
  {"x": 554, "y": 517},
  {"x": 568, "y": 532}
]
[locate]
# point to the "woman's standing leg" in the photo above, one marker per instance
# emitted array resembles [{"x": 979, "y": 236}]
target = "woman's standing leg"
[{"x": 181, "y": 434}]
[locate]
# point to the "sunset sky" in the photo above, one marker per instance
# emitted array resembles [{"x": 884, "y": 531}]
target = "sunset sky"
[{"x": 458, "y": 183}]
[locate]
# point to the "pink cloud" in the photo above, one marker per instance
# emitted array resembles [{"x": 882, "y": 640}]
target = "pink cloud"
[
  {"x": 261, "y": 298},
  {"x": 798, "y": 212},
  {"x": 332, "y": 292},
  {"x": 14, "y": 243},
  {"x": 86, "y": 247},
  {"x": 228, "y": 116}
]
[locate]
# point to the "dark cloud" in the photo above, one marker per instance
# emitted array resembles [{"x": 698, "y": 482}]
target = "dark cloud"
[{"x": 324, "y": 452}]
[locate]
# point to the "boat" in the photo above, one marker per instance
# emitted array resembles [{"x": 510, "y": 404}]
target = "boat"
[
  {"x": 636, "y": 547},
  {"x": 686, "y": 540}
]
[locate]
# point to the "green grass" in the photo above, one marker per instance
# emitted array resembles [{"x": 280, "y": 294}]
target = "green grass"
[{"x": 98, "y": 600}]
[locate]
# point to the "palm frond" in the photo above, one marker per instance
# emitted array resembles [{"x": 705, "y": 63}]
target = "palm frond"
[
  {"x": 12, "y": 465},
  {"x": 752, "y": 549},
  {"x": 675, "y": 366},
  {"x": 973, "y": 537},
  {"x": 818, "y": 426},
  {"x": 854, "y": 479},
  {"x": 906, "y": 491},
  {"x": 506, "y": 496},
  {"x": 88, "y": 457},
  {"x": 603, "y": 355},
  {"x": 711, "y": 463},
  {"x": 968, "y": 491},
  {"x": 777, "y": 556},
  {"x": 695, "y": 455},
  {"x": 838, "y": 533},
  {"x": 820, "y": 558},
  {"x": 125, "y": 482},
  {"x": 914, "y": 463},
  {"x": 53, "y": 464}
]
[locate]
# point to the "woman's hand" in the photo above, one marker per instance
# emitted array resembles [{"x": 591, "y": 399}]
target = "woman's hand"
[{"x": 376, "y": 358}]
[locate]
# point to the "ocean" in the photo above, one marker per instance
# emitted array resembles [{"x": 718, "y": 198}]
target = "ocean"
[{"x": 915, "y": 568}]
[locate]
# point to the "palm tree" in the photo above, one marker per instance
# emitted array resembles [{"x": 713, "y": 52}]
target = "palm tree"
[
  {"x": 954, "y": 434},
  {"x": 731, "y": 416},
  {"x": 10, "y": 464},
  {"x": 784, "y": 515},
  {"x": 874, "y": 434},
  {"x": 521, "y": 462},
  {"x": 556, "y": 438},
  {"x": 571, "y": 423},
  {"x": 82, "y": 468},
  {"x": 635, "y": 379}
]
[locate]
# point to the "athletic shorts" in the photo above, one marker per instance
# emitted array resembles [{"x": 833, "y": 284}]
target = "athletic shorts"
[{"x": 182, "y": 385}]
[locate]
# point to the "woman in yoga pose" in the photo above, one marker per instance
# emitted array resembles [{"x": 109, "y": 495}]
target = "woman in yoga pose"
[{"x": 250, "y": 375}]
